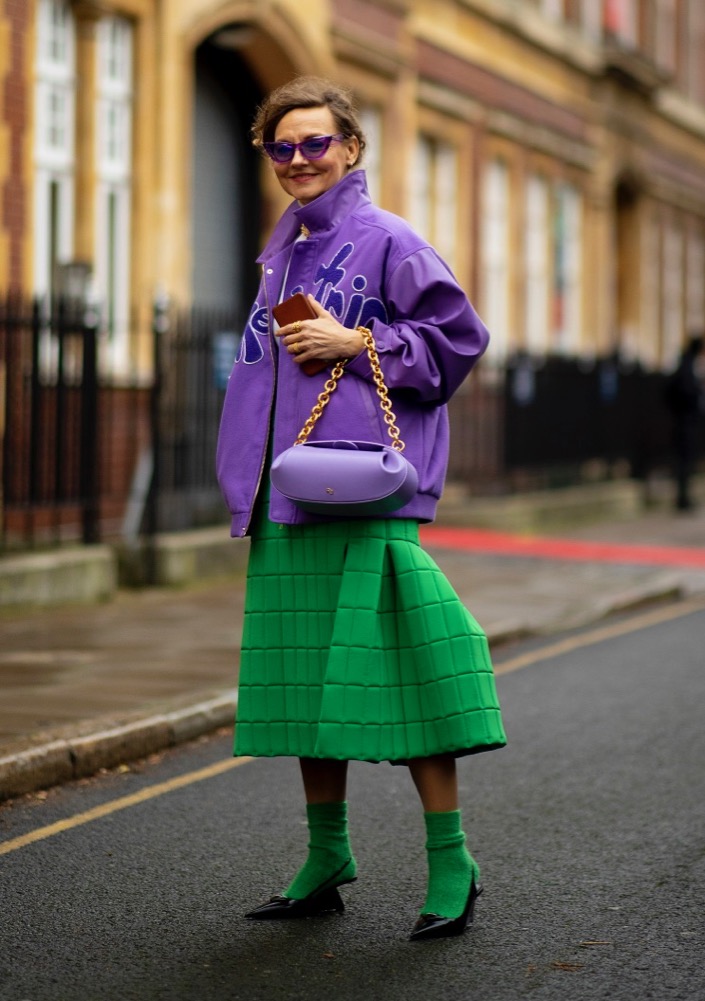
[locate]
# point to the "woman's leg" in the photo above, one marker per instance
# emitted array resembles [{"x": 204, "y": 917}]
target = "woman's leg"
[
  {"x": 325, "y": 781},
  {"x": 330, "y": 860},
  {"x": 451, "y": 868},
  {"x": 436, "y": 780}
]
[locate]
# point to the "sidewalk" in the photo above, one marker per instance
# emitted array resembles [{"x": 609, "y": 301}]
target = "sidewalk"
[{"x": 90, "y": 687}]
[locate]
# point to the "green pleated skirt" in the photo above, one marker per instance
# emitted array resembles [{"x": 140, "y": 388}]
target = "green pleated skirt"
[{"x": 355, "y": 646}]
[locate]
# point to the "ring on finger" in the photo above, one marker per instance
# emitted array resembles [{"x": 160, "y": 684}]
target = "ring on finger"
[
  {"x": 298, "y": 347},
  {"x": 297, "y": 327}
]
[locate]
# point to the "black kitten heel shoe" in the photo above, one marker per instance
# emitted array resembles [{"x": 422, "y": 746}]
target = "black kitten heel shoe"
[
  {"x": 436, "y": 926},
  {"x": 325, "y": 899}
]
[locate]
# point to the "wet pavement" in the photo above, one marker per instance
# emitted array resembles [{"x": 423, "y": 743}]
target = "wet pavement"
[{"x": 84, "y": 687}]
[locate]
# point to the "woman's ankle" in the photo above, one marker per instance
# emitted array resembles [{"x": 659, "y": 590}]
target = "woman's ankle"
[
  {"x": 451, "y": 867},
  {"x": 330, "y": 860}
]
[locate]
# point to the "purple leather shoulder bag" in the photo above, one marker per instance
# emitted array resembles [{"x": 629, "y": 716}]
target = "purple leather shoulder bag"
[{"x": 347, "y": 478}]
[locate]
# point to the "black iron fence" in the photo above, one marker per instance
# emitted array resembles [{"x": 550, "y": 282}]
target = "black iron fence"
[
  {"x": 543, "y": 423},
  {"x": 53, "y": 451},
  {"x": 194, "y": 351},
  {"x": 89, "y": 456},
  {"x": 561, "y": 414}
]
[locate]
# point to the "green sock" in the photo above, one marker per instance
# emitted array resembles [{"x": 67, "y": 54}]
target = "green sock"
[
  {"x": 329, "y": 854},
  {"x": 450, "y": 865}
]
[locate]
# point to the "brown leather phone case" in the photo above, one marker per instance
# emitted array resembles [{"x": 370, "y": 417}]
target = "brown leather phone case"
[{"x": 297, "y": 307}]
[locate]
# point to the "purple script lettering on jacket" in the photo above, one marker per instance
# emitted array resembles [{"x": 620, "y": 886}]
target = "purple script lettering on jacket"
[
  {"x": 361, "y": 310},
  {"x": 251, "y": 350}
]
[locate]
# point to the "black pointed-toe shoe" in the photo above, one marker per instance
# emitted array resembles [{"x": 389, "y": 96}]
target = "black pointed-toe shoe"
[
  {"x": 282, "y": 908},
  {"x": 436, "y": 926},
  {"x": 325, "y": 899}
]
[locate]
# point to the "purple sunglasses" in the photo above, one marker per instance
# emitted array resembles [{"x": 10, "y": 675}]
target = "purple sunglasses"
[{"x": 311, "y": 149}]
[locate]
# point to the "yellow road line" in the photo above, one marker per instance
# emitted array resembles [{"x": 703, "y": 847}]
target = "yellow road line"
[
  {"x": 113, "y": 806},
  {"x": 594, "y": 636},
  {"x": 548, "y": 652}
]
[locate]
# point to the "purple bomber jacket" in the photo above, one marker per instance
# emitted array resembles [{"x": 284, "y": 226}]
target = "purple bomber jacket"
[{"x": 368, "y": 268}]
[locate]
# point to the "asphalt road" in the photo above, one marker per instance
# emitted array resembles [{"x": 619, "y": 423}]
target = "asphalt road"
[{"x": 589, "y": 827}]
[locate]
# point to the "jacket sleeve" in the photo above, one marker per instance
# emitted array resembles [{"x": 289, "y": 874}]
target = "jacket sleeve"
[{"x": 433, "y": 336}]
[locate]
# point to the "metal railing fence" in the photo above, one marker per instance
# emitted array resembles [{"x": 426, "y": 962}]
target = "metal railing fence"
[
  {"x": 88, "y": 456},
  {"x": 561, "y": 414},
  {"x": 55, "y": 461},
  {"x": 194, "y": 350}
]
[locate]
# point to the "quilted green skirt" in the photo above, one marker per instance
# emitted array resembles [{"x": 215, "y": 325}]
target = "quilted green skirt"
[{"x": 355, "y": 646}]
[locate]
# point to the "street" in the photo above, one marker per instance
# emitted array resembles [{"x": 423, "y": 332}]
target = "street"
[{"x": 589, "y": 829}]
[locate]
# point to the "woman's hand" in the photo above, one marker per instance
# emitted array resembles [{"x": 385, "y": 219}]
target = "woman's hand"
[{"x": 323, "y": 337}]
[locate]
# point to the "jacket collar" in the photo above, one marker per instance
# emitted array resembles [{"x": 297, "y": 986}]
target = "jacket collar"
[{"x": 326, "y": 212}]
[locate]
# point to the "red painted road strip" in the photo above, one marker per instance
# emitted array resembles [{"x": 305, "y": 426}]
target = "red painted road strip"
[{"x": 505, "y": 544}]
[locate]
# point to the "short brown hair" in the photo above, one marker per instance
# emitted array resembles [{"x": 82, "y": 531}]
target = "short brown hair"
[{"x": 307, "y": 92}]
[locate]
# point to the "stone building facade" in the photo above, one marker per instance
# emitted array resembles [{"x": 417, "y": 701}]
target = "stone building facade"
[{"x": 553, "y": 150}]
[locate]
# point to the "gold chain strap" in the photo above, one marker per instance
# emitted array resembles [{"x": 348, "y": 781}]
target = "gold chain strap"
[{"x": 331, "y": 384}]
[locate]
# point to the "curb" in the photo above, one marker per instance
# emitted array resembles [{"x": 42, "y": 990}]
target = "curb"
[
  {"x": 664, "y": 588},
  {"x": 59, "y": 761},
  {"x": 63, "y": 760}
]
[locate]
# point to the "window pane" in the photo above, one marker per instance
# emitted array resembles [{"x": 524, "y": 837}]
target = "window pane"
[
  {"x": 672, "y": 300},
  {"x": 567, "y": 292},
  {"x": 620, "y": 20},
  {"x": 115, "y": 54},
  {"x": 421, "y": 188},
  {"x": 446, "y": 203},
  {"x": 57, "y": 41},
  {"x": 553, "y": 9},
  {"x": 536, "y": 264},
  {"x": 591, "y": 18},
  {"x": 371, "y": 121},
  {"x": 114, "y": 111},
  {"x": 648, "y": 328},
  {"x": 695, "y": 278},
  {"x": 495, "y": 257},
  {"x": 53, "y": 152},
  {"x": 665, "y": 36}
]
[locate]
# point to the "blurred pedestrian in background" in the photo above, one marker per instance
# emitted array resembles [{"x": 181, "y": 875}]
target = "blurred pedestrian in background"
[
  {"x": 355, "y": 646},
  {"x": 685, "y": 399}
]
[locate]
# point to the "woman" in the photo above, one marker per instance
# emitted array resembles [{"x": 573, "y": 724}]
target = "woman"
[{"x": 354, "y": 646}]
